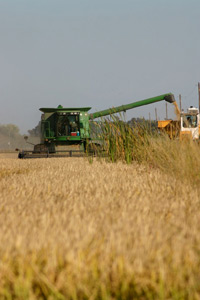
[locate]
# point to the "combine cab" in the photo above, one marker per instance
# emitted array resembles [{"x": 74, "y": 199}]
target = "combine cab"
[{"x": 66, "y": 131}]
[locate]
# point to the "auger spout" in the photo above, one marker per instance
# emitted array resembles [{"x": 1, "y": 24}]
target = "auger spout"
[{"x": 167, "y": 97}]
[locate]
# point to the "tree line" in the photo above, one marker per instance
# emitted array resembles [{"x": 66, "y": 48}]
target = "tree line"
[{"x": 11, "y": 138}]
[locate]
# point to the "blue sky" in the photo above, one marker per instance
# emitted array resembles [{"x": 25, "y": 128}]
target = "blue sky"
[{"x": 98, "y": 53}]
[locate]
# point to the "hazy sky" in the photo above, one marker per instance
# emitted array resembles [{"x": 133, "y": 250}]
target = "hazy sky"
[{"x": 98, "y": 53}]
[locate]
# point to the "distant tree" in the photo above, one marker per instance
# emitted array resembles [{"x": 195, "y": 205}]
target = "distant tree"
[
  {"x": 35, "y": 131},
  {"x": 150, "y": 125},
  {"x": 10, "y": 130}
]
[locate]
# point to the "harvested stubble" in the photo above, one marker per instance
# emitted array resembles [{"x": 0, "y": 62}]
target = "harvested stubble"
[{"x": 74, "y": 230}]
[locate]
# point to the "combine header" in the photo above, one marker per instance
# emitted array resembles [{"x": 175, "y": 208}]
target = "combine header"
[{"x": 66, "y": 131}]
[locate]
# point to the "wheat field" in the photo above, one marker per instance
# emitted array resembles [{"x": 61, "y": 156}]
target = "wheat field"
[{"x": 71, "y": 228}]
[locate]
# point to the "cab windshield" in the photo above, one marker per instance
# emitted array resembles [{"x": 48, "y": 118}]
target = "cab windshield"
[
  {"x": 189, "y": 121},
  {"x": 67, "y": 124}
]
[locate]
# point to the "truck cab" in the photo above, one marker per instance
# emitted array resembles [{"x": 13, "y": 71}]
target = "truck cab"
[{"x": 190, "y": 123}]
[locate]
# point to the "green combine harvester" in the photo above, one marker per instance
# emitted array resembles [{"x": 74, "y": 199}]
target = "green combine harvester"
[{"x": 66, "y": 131}]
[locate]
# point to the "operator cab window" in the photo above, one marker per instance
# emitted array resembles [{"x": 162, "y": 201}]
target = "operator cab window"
[
  {"x": 67, "y": 124},
  {"x": 189, "y": 121}
]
